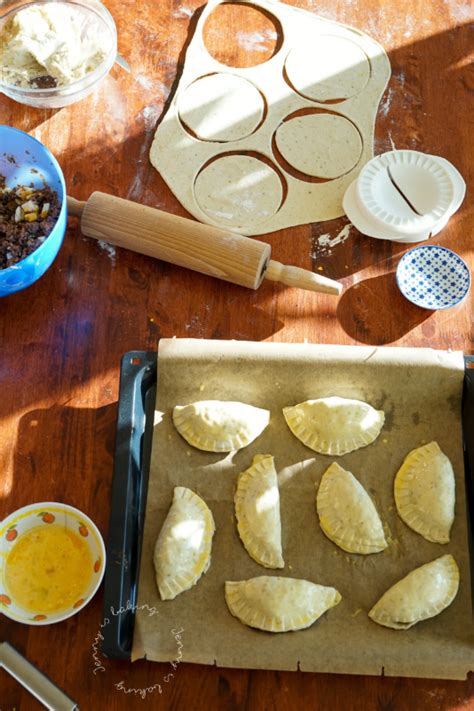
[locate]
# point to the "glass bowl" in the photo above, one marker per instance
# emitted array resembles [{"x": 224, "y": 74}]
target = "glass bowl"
[
  {"x": 57, "y": 97},
  {"x": 27, "y": 161},
  {"x": 36, "y": 516}
]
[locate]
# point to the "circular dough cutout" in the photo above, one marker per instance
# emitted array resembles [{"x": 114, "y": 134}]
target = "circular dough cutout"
[
  {"x": 239, "y": 191},
  {"x": 221, "y": 107},
  {"x": 321, "y": 145},
  {"x": 332, "y": 69}
]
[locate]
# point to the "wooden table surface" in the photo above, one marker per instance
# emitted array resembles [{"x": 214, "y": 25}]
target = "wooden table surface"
[{"x": 62, "y": 339}]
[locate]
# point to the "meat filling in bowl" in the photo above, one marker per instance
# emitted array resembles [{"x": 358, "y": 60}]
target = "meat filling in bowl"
[{"x": 27, "y": 216}]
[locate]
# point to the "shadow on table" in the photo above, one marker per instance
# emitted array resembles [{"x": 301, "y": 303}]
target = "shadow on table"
[
  {"x": 65, "y": 454},
  {"x": 375, "y": 312}
]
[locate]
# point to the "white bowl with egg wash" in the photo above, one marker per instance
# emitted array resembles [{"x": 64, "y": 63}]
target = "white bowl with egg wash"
[
  {"x": 54, "y": 52},
  {"x": 52, "y": 561}
]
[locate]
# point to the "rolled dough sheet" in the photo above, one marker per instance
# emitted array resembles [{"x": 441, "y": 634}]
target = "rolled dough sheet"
[
  {"x": 243, "y": 111},
  {"x": 420, "y": 392}
]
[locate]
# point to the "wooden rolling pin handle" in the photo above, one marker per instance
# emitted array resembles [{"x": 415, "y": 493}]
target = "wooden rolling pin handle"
[
  {"x": 75, "y": 207},
  {"x": 301, "y": 278}
]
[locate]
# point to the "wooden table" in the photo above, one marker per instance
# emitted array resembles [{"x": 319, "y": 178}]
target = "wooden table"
[{"x": 62, "y": 339}]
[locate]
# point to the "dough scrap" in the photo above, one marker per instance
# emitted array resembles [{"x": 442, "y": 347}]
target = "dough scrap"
[
  {"x": 257, "y": 509},
  {"x": 221, "y": 107},
  {"x": 276, "y": 604},
  {"x": 220, "y": 425},
  {"x": 423, "y": 593},
  {"x": 183, "y": 547},
  {"x": 347, "y": 514},
  {"x": 321, "y": 145},
  {"x": 238, "y": 190},
  {"x": 330, "y": 68},
  {"x": 425, "y": 493},
  {"x": 334, "y": 425}
]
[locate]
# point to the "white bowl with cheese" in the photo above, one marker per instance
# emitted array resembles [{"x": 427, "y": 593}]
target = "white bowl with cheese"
[
  {"x": 52, "y": 561},
  {"x": 54, "y": 52}
]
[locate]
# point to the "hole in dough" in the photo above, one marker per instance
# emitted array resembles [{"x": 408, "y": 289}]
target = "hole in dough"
[
  {"x": 242, "y": 35},
  {"x": 331, "y": 69},
  {"x": 239, "y": 190},
  {"x": 221, "y": 107},
  {"x": 320, "y": 144}
]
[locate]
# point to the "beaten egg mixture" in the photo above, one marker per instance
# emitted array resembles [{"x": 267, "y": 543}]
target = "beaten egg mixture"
[{"x": 49, "y": 569}]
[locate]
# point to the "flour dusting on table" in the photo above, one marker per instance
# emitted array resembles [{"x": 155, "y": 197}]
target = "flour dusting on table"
[
  {"x": 460, "y": 11},
  {"x": 326, "y": 242},
  {"x": 385, "y": 103},
  {"x": 257, "y": 41},
  {"x": 109, "y": 249},
  {"x": 183, "y": 12}
]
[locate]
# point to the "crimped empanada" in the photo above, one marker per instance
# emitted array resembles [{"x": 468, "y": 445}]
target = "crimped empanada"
[
  {"x": 423, "y": 593},
  {"x": 334, "y": 425},
  {"x": 347, "y": 514},
  {"x": 425, "y": 493},
  {"x": 183, "y": 547},
  {"x": 276, "y": 604},
  {"x": 219, "y": 425},
  {"x": 257, "y": 509}
]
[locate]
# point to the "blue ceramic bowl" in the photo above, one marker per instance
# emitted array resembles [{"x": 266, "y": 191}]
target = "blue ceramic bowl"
[
  {"x": 433, "y": 277},
  {"x": 24, "y": 160}
]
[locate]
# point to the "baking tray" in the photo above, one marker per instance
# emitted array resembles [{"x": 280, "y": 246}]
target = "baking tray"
[
  {"x": 137, "y": 395},
  {"x": 136, "y": 405}
]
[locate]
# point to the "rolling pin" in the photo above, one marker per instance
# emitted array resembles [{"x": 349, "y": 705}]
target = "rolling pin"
[{"x": 186, "y": 243}]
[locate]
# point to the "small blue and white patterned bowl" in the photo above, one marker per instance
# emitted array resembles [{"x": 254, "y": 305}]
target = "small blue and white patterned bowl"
[{"x": 433, "y": 277}]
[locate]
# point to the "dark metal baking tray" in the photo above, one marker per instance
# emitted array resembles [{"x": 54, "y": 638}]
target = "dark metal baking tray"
[
  {"x": 137, "y": 396},
  {"x": 136, "y": 404}
]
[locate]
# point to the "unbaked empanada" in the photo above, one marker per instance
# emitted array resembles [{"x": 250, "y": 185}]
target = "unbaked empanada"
[
  {"x": 334, "y": 425},
  {"x": 423, "y": 593},
  {"x": 424, "y": 493},
  {"x": 276, "y": 604},
  {"x": 347, "y": 514},
  {"x": 219, "y": 425},
  {"x": 183, "y": 548},
  {"x": 257, "y": 509}
]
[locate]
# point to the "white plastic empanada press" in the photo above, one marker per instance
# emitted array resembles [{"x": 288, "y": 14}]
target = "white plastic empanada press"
[{"x": 404, "y": 196}]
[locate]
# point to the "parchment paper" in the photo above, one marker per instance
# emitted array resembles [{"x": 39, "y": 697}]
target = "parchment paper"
[{"x": 420, "y": 392}]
